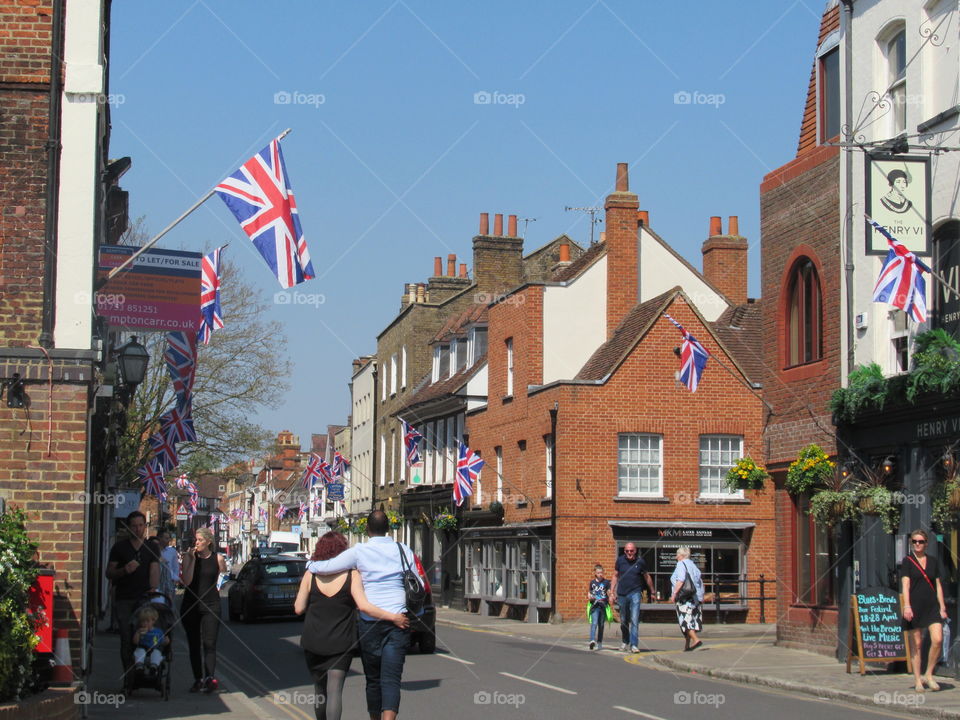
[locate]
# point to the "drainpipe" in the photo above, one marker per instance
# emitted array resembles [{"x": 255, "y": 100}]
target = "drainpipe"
[
  {"x": 52, "y": 192},
  {"x": 848, "y": 181},
  {"x": 555, "y": 496}
]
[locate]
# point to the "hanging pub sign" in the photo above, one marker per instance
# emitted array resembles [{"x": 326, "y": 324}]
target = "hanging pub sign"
[
  {"x": 159, "y": 292},
  {"x": 898, "y": 198}
]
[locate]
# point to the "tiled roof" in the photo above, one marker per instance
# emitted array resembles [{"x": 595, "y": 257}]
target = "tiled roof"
[
  {"x": 634, "y": 325},
  {"x": 738, "y": 329},
  {"x": 427, "y": 391},
  {"x": 593, "y": 253},
  {"x": 474, "y": 313}
]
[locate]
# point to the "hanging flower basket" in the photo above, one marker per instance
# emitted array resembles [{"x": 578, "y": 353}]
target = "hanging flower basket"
[
  {"x": 945, "y": 504},
  {"x": 746, "y": 475},
  {"x": 393, "y": 517},
  {"x": 809, "y": 471},
  {"x": 496, "y": 507},
  {"x": 444, "y": 520},
  {"x": 343, "y": 526},
  {"x": 359, "y": 527},
  {"x": 830, "y": 507},
  {"x": 881, "y": 501}
]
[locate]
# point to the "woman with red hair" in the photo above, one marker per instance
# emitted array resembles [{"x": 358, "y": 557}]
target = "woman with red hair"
[{"x": 330, "y": 627}]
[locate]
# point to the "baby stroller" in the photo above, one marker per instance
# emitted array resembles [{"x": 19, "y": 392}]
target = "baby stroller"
[{"x": 148, "y": 676}]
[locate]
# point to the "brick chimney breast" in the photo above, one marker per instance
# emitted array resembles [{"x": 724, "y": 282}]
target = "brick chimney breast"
[
  {"x": 622, "y": 239},
  {"x": 725, "y": 260},
  {"x": 498, "y": 258}
]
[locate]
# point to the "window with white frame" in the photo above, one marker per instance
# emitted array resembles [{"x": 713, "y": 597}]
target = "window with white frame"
[
  {"x": 403, "y": 366},
  {"x": 499, "y": 451},
  {"x": 460, "y": 355},
  {"x": 899, "y": 342},
  {"x": 639, "y": 465},
  {"x": 383, "y": 460},
  {"x": 441, "y": 362},
  {"x": 383, "y": 387},
  {"x": 393, "y": 374},
  {"x": 718, "y": 453},
  {"x": 509, "y": 344},
  {"x": 393, "y": 456},
  {"x": 895, "y": 56},
  {"x": 477, "y": 345}
]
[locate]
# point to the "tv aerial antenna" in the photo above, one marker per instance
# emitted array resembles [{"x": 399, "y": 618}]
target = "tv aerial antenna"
[{"x": 592, "y": 212}]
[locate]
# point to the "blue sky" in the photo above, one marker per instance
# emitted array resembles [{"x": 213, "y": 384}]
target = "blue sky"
[{"x": 392, "y": 158}]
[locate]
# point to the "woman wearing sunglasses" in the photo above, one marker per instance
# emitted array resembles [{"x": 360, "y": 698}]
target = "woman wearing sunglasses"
[{"x": 923, "y": 607}]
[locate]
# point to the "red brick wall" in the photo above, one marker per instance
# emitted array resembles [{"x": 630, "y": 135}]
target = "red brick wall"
[{"x": 642, "y": 396}]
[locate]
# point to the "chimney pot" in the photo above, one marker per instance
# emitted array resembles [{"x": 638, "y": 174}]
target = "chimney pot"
[
  {"x": 451, "y": 264},
  {"x": 603, "y": 236},
  {"x": 498, "y": 225},
  {"x": 716, "y": 226},
  {"x": 623, "y": 178},
  {"x": 437, "y": 266},
  {"x": 411, "y": 293},
  {"x": 511, "y": 226},
  {"x": 733, "y": 225},
  {"x": 463, "y": 270},
  {"x": 565, "y": 252},
  {"x": 421, "y": 292},
  {"x": 643, "y": 218},
  {"x": 484, "y": 223}
]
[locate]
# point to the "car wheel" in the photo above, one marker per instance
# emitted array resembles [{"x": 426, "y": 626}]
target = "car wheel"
[
  {"x": 246, "y": 614},
  {"x": 231, "y": 610},
  {"x": 427, "y": 642}
]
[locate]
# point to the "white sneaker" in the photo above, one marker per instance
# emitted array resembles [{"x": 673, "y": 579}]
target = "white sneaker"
[
  {"x": 592, "y": 645},
  {"x": 634, "y": 649},
  {"x": 599, "y": 646},
  {"x": 623, "y": 647}
]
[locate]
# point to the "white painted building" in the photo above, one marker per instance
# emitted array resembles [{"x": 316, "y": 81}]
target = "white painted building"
[{"x": 359, "y": 488}]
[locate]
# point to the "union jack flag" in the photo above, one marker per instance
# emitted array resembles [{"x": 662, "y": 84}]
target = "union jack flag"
[
  {"x": 177, "y": 425},
  {"x": 181, "y": 359},
  {"x": 281, "y": 511},
  {"x": 166, "y": 451},
  {"x": 340, "y": 465},
  {"x": 183, "y": 481},
  {"x": 301, "y": 511},
  {"x": 901, "y": 281},
  {"x": 411, "y": 439},
  {"x": 317, "y": 504},
  {"x": 263, "y": 514},
  {"x": 259, "y": 196},
  {"x": 693, "y": 358},
  {"x": 211, "y": 318},
  {"x": 469, "y": 465},
  {"x": 313, "y": 472},
  {"x": 151, "y": 475}
]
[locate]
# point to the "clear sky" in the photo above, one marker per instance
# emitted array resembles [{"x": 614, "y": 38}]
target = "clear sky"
[{"x": 394, "y": 152}]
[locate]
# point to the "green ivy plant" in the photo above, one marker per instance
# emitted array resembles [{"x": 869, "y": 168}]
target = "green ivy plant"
[
  {"x": 829, "y": 507},
  {"x": 867, "y": 388},
  {"x": 746, "y": 474},
  {"x": 935, "y": 364},
  {"x": 880, "y": 500},
  {"x": 18, "y": 571},
  {"x": 943, "y": 512}
]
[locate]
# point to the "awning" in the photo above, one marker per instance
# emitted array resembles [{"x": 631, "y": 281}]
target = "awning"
[{"x": 669, "y": 524}]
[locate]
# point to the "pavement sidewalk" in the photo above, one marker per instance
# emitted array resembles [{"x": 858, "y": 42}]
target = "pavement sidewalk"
[{"x": 745, "y": 654}]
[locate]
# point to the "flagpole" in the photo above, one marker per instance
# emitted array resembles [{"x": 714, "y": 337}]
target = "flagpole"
[
  {"x": 129, "y": 261},
  {"x": 935, "y": 275}
]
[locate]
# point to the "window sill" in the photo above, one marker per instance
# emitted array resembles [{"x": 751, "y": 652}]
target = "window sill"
[
  {"x": 717, "y": 500},
  {"x": 640, "y": 499},
  {"x": 506, "y": 399},
  {"x": 546, "y": 501},
  {"x": 942, "y": 117}
]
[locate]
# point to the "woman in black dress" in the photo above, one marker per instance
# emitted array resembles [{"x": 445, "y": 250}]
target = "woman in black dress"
[
  {"x": 200, "y": 609},
  {"x": 330, "y": 628},
  {"x": 923, "y": 607}
]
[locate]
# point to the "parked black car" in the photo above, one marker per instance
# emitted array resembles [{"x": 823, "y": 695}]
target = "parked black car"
[
  {"x": 423, "y": 627},
  {"x": 265, "y": 586}
]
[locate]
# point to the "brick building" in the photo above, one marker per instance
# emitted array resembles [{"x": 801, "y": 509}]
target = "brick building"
[
  {"x": 800, "y": 225},
  {"x": 589, "y": 440},
  {"x": 59, "y": 202}
]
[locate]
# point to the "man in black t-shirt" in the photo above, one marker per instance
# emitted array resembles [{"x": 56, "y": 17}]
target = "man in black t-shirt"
[
  {"x": 629, "y": 578},
  {"x": 134, "y": 569}
]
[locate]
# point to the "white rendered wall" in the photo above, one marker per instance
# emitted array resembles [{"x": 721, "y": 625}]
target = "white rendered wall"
[
  {"x": 660, "y": 271},
  {"x": 574, "y": 322},
  {"x": 363, "y": 391}
]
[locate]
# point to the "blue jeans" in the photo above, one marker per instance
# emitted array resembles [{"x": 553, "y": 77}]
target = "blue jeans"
[
  {"x": 630, "y": 617},
  {"x": 598, "y": 618},
  {"x": 383, "y": 649}
]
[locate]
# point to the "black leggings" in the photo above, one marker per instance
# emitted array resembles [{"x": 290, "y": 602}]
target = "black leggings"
[{"x": 201, "y": 625}]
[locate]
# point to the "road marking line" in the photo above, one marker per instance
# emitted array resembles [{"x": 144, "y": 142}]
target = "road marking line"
[
  {"x": 455, "y": 659},
  {"x": 637, "y": 712},
  {"x": 541, "y": 684},
  {"x": 292, "y": 711}
]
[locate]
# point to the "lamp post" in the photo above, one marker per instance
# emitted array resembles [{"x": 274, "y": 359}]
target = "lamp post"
[{"x": 132, "y": 359}]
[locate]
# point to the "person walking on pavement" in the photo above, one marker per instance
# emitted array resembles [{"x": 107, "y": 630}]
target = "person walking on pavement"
[
  {"x": 170, "y": 567},
  {"x": 200, "y": 609},
  {"x": 629, "y": 577},
  {"x": 133, "y": 566},
  {"x": 383, "y": 645},
  {"x": 600, "y": 598},
  {"x": 689, "y": 614},
  {"x": 330, "y": 628},
  {"x": 923, "y": 607}
]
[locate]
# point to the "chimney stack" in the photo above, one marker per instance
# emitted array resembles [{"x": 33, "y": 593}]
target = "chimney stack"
[
  {"x": 498, "y": 225},
  {"x": 512, "y": 226},
  {"x": 725, "y": 260},
  {"x": 437, "y": 266},
  {"x": 463, "y": 270},
  {"x": 411, "y": 293},
  {"x": 451, "y": 265},
  {"x": 497, "y": 258},
  {"x": 622, "y": 238},
  {"x": 484, "y": 223},
  {"x": 643, "y": 218}
]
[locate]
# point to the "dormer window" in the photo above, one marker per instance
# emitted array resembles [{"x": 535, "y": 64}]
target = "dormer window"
[
  {"x": 441, "y": 362},
  {"x": 459, "y": 352},
  {"x": 477, "y": 346}
]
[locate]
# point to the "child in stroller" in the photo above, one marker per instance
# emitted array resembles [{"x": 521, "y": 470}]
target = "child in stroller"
[{"x": 151, "y": 624}]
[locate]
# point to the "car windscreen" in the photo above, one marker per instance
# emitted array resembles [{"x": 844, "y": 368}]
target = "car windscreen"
[{"x": 283, "y": 569}]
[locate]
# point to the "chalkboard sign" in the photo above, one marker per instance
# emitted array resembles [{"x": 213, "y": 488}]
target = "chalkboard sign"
[{"x": 876, "y": 628}]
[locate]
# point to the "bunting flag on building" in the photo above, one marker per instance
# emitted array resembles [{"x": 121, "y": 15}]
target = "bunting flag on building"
[
  {"x": 693, "y": 358},
  {"x": 281, "y": 511},
  {"x": 263, "y": 514},
  {"x": 260, "y": 197},
  {"x": 340, "y": 465},
  {"x": 177, "y": 426},
  {"x": 313, "y": 472},
  {"x": 901, "y": 282},
  {"x": 183, "y": 481},
  {"x": 181, "y": 359},
  {"x": 469, "y": 465},
  {"x": 411, "y": 440},
  {"x": 165, "y": 452},
  {"x": 301, "y": 511},
  {"x": 211, "y": 317},
  {"x": 151, "y": 475}
]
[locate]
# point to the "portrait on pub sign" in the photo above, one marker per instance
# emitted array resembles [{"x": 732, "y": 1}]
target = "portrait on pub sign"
[{"x": 898, "y": 197}]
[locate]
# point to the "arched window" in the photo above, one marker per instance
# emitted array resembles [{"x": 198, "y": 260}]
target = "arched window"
[{"x": 804, "y": 313}]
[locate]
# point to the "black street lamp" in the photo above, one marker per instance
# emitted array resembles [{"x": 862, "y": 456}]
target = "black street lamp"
[{"x": 132, "y": 359}]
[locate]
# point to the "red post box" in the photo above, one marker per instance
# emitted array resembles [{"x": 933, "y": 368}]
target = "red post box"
[{"x": 40, "y": 605}]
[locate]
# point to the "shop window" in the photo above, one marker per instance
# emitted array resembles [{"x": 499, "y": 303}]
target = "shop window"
[
  {"x": 721, "y": 565},
  {"x": 718, "y": 453},
  {"x": 815, "y": 557},
  {"x": 639, "y": 467},
  {"x": 804, "y": 311},
  {"x": 541, "y": 570}
]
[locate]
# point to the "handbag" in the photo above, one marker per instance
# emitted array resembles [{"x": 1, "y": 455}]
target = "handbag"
[
  {"x": 415, "y": 594},
  {"x": 688, "y": 591}
]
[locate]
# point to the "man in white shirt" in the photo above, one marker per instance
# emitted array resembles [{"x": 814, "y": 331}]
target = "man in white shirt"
[{"x": 383, "y": 646}]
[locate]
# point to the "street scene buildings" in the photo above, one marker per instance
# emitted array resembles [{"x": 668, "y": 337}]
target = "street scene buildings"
[{"x": 823, "y": 429}]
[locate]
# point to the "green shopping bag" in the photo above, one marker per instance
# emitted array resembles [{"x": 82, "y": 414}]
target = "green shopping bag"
[{"x": 609, "y": 612}]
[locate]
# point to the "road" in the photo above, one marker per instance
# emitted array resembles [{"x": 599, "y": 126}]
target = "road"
[{"x": 483, "y": 674}]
